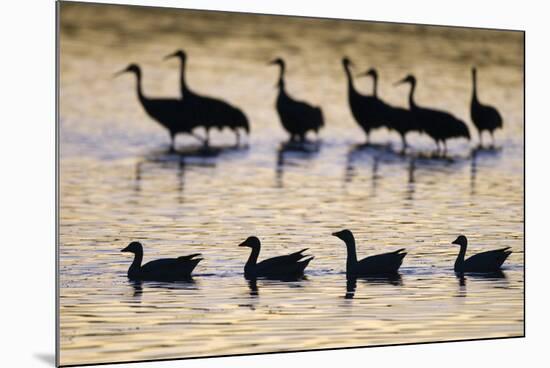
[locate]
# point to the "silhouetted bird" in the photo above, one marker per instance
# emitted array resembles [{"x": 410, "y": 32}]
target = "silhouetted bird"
[
  {"x": 395, "y": 118},
  {"x": 490, "y": 261},
  {"x": 207, "y": 111},
  {"x": 167, "y": 269},
  {"x": 439, "y": 125},
  {"x": 167, "y": 112},
  {"x": 366, "y": 110},
  {"x": 283, "y": 267},
  {"x": 381, "y": 264},
  {"x": 484, "y": 117},
  {"x": 297, "y": 117}
]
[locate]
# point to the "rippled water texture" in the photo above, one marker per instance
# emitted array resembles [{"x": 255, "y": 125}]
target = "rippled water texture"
[{"x": 119, "y": 184}]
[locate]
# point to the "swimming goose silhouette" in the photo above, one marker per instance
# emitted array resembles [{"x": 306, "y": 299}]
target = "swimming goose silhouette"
[
  {"x": 167, "y": 269},
  {"x": 289, "y": 266},
  {"x": 380, "y": 264},
  {"x": 489, "y": 261}
]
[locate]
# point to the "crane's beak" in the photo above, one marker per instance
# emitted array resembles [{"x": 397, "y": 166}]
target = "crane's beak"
[
  {"x": 119, "y": 73},
  {"x": 362, "y": 74},
  {"x": 169, "y": 56},
  {"x": 400, "y": 82},
  {"x": 272, "y": 62}
]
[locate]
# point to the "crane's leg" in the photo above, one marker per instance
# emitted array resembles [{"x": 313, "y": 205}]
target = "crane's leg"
[
  {"x": 368, "y": 138},
  {"x": 480, "y": 139},
  {"x": 201, "y": 139},
  {"x": 404, "y": 144},
  {"x": 492, "y": 139},
  {"x": 238, "y": 135},
  {"x": 207, "y": 140},
  {"x": 438, "y": 149},
  {"x": 444, "y": 148},
  {"x": 172, "y": 142}
]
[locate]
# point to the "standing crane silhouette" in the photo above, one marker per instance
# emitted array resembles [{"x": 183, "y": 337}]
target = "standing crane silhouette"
[
  {"x": 167, "y": 112},
  {"x": 297, "y": 117},
  {"x": 209, "y": 112},
  {"x": 396, "y": 118},
  {"x": 484, "y": 117},
  {"x": 366, "y": 110},
  {"x": 439, "y": 125}
]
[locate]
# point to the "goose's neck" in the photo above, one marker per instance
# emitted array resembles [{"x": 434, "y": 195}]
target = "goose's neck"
[
  {"x": 136, "y": 264},
  {"x": 411, "y": 95},
  {"x": 352, "y": 254},
  {"x": 460, "y": 258},
  {"x": 183, "y": 83},
  {"x": 252, "y": 259}
]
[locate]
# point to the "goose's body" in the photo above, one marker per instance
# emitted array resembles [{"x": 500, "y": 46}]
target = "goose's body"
[
  {"x": 484, "y": 117},
  {"x": 380, "y": 264},
  {"x": 485, "y": 262},
  {"x": 289, "y": 266},
  {"x": 166, "y": 269},
  {"x": 439, "y": 125},
  {"x": 169, "y": 113},
  {"x": 394, "y": 118},
  {"x": 297, "y": 117},
  {"x": 368, "y": 111},
  {"x": 209, "y": 112}
]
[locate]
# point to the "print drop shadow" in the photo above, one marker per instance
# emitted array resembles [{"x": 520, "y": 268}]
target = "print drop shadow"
[
  {"x": 293, "y": 156},
  {"x": 351, "y": 282}
]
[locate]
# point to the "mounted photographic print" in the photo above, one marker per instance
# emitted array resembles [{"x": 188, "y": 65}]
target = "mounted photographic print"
[{"x": 234, "y": 183}]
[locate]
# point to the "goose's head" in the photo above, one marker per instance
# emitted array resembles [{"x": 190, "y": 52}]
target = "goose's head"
[
  {"x": 408, "y": 79},
  {"x": 461, "y": 240},
  {"x": 251, "y": 242},
  {"x": 345, "y": 235},
  {"x": 132, "y": 68},
  {"x": 371, "y": 72},
  {"x": 134, "y": 247},
  {"x": 178, "y": 53}
]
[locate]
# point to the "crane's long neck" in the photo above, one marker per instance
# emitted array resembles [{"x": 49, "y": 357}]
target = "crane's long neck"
[
  {"x": 352, "y": 254},
  {"x": 253, "y": 258},
  {"x": 281, "y": 82},
  {"x": 375, "y": 86},
  {"x": 459, "y": 263},
  {"x": 474, "y": 89},
  {"x": 351, "y": 87},
  {"x": 139, "y": 88},
  {"x": 183, "y": 83},
  {"x": 412, "y": 104},
  {"x": 136, "y": 264}
]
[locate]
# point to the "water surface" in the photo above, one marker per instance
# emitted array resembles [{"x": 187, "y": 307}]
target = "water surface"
[{"x": 119, "y": 184}]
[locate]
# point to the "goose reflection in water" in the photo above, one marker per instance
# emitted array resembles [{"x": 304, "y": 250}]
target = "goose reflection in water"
[
  {"x": 351, "y": 282},
  {"x": 290, "y": 154},
  {"x": 295, "y": 282}
]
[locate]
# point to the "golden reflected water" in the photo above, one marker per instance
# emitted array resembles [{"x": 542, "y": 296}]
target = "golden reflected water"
[{"x": 118, "y": 184}]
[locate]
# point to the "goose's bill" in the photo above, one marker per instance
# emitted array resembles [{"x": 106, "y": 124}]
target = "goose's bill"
[
  {"x": 124, "y": 250},
  {"x": 336, "y": 233},
  {"x": 243, "y": 244},
  {"x": 455, "y": 242}
]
